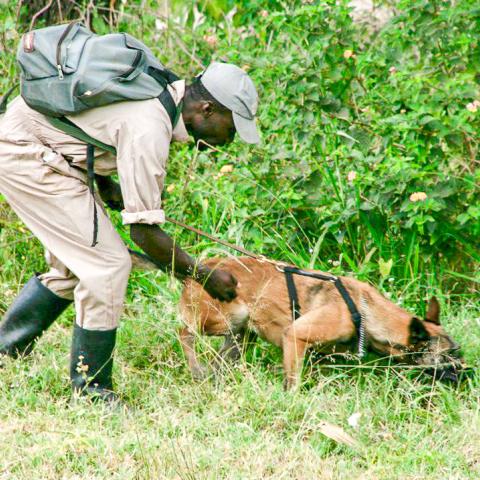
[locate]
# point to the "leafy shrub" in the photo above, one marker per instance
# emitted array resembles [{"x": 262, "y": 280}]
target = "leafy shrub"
[{"x": 370, "y": 155}]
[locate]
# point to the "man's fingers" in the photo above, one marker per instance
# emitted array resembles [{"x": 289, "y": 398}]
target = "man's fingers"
[{"x": 222, "y": 286}]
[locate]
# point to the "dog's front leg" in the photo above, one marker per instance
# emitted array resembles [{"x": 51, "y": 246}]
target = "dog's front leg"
[
  {"x": 231, "y": 348},
  {"x": 235, "y": 344},
  {"x": 187, "y": 340},
  {"x": 320, "y": 326}
]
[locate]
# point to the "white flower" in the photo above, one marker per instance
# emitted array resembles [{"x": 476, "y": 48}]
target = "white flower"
[
  {"x": 354, "y": 419},
  {"x": 159, "y": 25},
  {"x": 351, "y": 176},
  {"x": 418, "y": 196},
  {"x": 227, "y": 169},
  {"x": 212, "y": 40},
  {"x": 473, "y": 106}
]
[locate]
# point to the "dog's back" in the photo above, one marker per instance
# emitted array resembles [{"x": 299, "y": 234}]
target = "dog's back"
[{"x": 262, "y": 303}]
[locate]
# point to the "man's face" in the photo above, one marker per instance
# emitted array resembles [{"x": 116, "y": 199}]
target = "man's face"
[{"x": 211, "y": 126}]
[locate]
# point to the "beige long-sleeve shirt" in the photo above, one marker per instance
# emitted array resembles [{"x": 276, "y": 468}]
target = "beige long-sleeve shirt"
[{"x": 140, "y": 131}]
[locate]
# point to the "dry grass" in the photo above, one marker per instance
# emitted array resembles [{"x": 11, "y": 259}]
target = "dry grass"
[{"x": 237, "y": 425}]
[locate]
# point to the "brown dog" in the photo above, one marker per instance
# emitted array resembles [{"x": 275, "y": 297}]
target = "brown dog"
[{"x": 263, "y": 306}]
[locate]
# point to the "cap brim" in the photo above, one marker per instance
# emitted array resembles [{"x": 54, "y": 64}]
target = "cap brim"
[{"x": 246, "y": 129}]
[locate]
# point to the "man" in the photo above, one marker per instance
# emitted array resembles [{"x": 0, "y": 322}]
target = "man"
[{"x": 42, "y": 176}]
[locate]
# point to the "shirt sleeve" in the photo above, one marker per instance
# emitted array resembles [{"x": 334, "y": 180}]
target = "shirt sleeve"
[{"x": 143, "y": 144}]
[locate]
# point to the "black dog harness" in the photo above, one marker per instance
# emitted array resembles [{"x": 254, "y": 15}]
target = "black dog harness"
[{"x": 295, "y": 304}]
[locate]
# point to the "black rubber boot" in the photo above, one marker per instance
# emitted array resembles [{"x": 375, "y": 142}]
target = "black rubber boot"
[
  {"x": 32, "y": 312},
  {"x": 91, "y": 363}
]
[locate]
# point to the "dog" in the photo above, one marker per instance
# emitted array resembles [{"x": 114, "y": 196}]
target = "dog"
[{"x": 263, "y": 306}]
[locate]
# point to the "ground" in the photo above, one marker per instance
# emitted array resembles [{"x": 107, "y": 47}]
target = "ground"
[{"x": 239, "y": 425}]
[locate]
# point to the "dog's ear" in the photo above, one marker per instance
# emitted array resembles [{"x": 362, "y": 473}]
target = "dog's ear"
[
  {"x": 433, "y": 311},
  {"x": 418, "y": 332}
]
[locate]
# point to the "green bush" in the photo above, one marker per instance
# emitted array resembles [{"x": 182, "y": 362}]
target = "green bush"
[{"x": 370, "y": 155}]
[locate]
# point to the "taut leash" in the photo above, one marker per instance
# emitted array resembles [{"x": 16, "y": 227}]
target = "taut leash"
[{"x": 221, "y": 242}]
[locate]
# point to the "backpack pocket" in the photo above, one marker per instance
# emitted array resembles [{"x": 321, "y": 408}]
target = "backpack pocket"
[
  {"x": 42, "y": 50},
  {"x": 120, "y": 68}
]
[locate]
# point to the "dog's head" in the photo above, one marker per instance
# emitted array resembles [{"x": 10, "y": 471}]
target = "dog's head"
[{"x": 429, "y": 345}]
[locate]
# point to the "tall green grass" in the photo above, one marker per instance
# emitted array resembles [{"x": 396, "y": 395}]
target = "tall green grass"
[{"x": 323, "y": 116}]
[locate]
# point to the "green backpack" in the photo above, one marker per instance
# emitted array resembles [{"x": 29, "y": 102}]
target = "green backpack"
[{"x": 67, "y": 69}]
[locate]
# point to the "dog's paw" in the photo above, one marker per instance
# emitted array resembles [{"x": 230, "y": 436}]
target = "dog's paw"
[
  {"x": 200, "y": 373},
  {"x": 231, "y": 355}
]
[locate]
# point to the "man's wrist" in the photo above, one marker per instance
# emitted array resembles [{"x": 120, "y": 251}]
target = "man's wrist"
[{"x": 201, "y": 273}]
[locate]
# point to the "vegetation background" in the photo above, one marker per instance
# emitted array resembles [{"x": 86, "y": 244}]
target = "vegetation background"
[{"x": 369, "y": 166}]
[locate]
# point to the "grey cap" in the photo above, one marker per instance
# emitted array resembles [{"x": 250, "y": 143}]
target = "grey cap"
[{"x": 234, "y": 89}]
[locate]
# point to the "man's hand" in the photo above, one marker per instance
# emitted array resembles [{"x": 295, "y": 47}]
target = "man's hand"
[
  {"x": 110, "y": 192},
  {"x": 221, "y": 285},
  {"x": 164, "y": 253}
]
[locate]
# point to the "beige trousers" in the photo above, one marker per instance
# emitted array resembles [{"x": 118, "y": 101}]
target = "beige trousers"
[{"x": 53, "y": 200}]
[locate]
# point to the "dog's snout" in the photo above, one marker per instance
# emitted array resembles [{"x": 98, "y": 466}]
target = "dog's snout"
[
  {"x": 448, "y": 375},
  {"x": 455, "y": 348}
]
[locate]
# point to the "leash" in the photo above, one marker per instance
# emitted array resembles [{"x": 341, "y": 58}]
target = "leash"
[
  {"x": 289, "y": 271},
  {"x": 237, "y": 248}
]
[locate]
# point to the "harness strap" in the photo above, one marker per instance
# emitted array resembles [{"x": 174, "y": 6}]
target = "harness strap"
[
  {"x": 91, "y": 187},
  {"x": 292, "y": 295},
  {"x": 304, "y": 273},
  {"x": 352, "y": 308}
]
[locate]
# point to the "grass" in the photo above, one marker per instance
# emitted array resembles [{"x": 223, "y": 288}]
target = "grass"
[{"x": 239, "y": 424}]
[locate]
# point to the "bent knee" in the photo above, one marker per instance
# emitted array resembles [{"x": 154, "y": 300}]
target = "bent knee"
[
  {"x": 122, "y": 263},
  {"x": 114, "y": 267}
]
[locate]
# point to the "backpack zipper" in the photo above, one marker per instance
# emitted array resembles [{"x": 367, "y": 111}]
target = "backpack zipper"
[
  {"x": 59, "y": 49},
  {"x": 135, "y": 63}
]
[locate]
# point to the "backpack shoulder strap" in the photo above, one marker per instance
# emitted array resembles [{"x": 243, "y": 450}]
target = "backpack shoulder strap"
[
  {"x": 165, "y": 78},
  {"x": 5, "y": 98},
  {"x": 174, "y": 111},
  {"x": 64, "y": 124}
]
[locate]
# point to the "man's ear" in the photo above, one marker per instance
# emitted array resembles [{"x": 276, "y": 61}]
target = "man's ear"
[
  {"x": 207, "y": 108},
  {"x": 418, "y": 332},
  {"x": 433, "y": 311}
]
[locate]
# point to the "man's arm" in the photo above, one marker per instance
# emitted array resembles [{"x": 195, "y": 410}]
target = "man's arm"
[
  {"x": 162, "y": 250},
  {"x": 110, "y": 192}
]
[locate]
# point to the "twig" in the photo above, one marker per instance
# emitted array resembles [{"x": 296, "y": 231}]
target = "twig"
[
  {"x": 60, "y": 12},
  {"x": 24, "y": 239},
  {"x": 40, "y": 13},
  {"x": 19, "y": 7}
]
